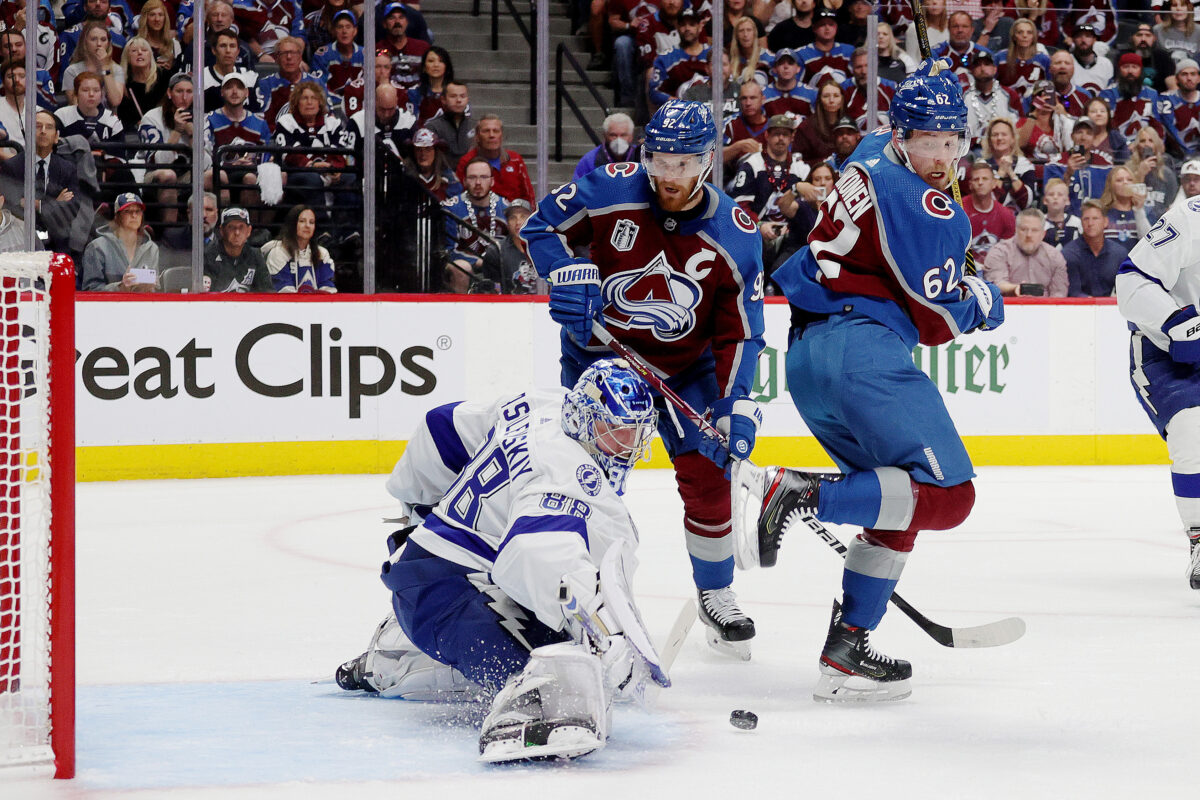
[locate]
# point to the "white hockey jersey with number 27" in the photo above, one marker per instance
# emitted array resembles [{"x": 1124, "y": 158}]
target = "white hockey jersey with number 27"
[
  {"x": 1162, "y": 273},
  {"x": 530, "y": 505}
]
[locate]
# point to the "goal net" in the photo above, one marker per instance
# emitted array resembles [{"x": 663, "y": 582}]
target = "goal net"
[{"x": 37, "y": 476}]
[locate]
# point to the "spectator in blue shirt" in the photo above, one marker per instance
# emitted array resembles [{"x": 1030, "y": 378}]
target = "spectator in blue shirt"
[{"x": 1092, "y": 258}]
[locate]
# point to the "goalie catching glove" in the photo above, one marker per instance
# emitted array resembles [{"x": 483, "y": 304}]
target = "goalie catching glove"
[{"x": 575, "y": 298}]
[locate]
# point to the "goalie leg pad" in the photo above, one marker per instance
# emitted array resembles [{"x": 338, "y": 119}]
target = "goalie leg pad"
[
  {"x": 556, "y": 707},
  {"x": 395, "y": 667}
]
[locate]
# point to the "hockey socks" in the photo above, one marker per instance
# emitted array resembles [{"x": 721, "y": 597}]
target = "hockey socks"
[
  {"x": 871, "y": 574},
  {"x": 888, "y": 500}
]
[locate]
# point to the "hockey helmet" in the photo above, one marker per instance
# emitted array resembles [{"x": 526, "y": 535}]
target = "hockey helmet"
[
  {"x": 610, "y": 411},
  {"x": 680, "y": 142},
  {"x": 930, "y": 99}
]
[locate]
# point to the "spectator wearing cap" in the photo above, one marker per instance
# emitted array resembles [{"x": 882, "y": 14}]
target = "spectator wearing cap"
[
  {"x": 1061, "y": 225},
  {"x": 230, "y": 265},
  {"x": 1098, "y": 15},
  {"x": 1189, "y": 182},
  {"x": 318, "y": 23},
  {"x": 1062, "y": 75},
  {"x": 797, "y": 30},
  {"x": 1177, "y": 33},
  {"x": 508, "y": 266},
  {"x": 763, "y": 177},
  {"x": 846, "y": 137},
  {"x": 987, "y": 100},
  {"x": 1022, "y": 65},
  {"x": 341, "y": 61},
  {"x": 825, "y": 56},
  {"x": 959, "y": 47},
  {"x": 273, "y": 92},
  {"x": 295, "y": 260},
  {"x": 510, "y": 176},
  {"x": 437, "y": 71},
  {"x": 169, "y": 123},
  {"x": 394, "y": 123},
  {"x": 785, "y": 94},
  {"x": 418, "y": 28},
  {"x": 991, "y": 220},
  {"x": 225, "y": 62},
  {"x": 676, "y": 67},
  {"x": 1135, "y": 105},
  {"x": 1045, "y": 134},
  {"x": 234, "y": 124},
  {"x": 855, "y": 89},
  {"x": 1083, "y": 168},
  {"x": 406, "y": 52},
  {"x": 746, "y": 131},
  {"x": 430, "y": 166},
  {"x": 617, "y": 146},
  {"x": 993, "y": 28},
  {"x": 1158, "y": 68},
  {"x": 56, "y": 183},
  {"x": 454, "y": 126},
  {"x": 122, "y": 258},
  {"x": 1093, "y": 72},
  {"x": 1093, "y": 258},
  {"x": 1185, "y": 98},
  {"x": 1018, "y": 264},
  {"x": 814, "y": 136}
]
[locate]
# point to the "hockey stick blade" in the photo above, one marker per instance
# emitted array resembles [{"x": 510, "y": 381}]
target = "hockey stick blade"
[
  {"x": 992, "y": 634},
  {"x": 678, "y": 634}
]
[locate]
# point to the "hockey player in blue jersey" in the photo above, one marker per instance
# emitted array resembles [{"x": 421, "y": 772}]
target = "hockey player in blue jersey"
[
  {"x": 882, "y": 272},
  {"x": 515, "y": 581},
  {"x": 674, "y": 270},
  {"x": 1158, "y": 291}
]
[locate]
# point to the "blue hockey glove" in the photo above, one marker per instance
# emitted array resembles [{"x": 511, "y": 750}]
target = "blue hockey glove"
[
  {"x": 738, "y": 418},
  {"x": 987, "y": 295},
  {"x": 575, "y": 298},
  {"x": 1183, "y": 327}
]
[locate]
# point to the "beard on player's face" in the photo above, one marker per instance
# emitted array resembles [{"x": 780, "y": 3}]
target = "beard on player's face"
[{"x": 675, "y": 194}]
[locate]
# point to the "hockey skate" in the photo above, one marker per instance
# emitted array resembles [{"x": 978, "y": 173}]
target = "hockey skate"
[
  {"x": 729, "y": 630},
  {"x": 556, "y": 707},
  {"x": 394, "y": 667},
  {"x": 851, "y": 670},
  {"x": 766, "y": 500},
  {"x": 1194, "y": 565}
]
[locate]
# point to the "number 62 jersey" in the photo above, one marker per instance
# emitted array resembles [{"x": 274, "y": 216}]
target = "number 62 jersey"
[
  {"x": 889, "y": 246},
  {"x": 673, "y": 284}
]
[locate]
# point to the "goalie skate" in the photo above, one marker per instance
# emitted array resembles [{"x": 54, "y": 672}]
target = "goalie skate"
[
  {"x": 1194, "y": 565},
  {"x": 727, "y": 629},
  {"x": 852, "y": 671}
]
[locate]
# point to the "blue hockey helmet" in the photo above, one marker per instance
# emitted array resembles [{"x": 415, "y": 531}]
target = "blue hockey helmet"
[
  {"x": 610, "y": 411},
  {"x": 678, "y": 129},
  {"x": 930, "y": 99}
]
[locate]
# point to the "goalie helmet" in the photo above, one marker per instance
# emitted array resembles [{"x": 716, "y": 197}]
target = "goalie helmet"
[
  {"x": 679, "y": 129},
  {"x": 610, "y": 411}
]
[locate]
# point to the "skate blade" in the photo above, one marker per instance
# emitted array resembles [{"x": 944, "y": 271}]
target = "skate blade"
[
  {"x": 565, "y": 742},
  {"x": 747, "y": 484},
  {"x": 739, "y": 650},
  {"x": 838, "y": 687}
]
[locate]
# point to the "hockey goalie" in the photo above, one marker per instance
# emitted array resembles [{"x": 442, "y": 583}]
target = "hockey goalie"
[{"x": 514, "y": 582}]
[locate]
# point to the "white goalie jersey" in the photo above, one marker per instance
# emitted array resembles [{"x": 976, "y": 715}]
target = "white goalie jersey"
[
  {"x": 1162, "y": 273},
  {"x": 503, "y": 489}
]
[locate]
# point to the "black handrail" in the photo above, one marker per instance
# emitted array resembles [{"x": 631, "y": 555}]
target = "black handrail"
[
  {"x": 561, "y": 93},
  {"x": 529, "y": 32}
]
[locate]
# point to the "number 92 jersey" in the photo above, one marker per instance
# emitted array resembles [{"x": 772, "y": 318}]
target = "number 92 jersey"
[
  {"x": 672, "y": 287},
  {"x": 887, "y": 245}
]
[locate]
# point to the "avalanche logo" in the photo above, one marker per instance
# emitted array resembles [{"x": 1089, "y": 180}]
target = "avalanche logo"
[
  {"x": 937, "y": 204},
  {"x": 621, "y": 169},
  {"x": 654, "y": 298},
  {"x": 589, "y": 479},
  {"x": 743, "y": 221}
]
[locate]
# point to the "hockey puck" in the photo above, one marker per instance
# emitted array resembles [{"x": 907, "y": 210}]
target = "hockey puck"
[{"x": 745, "y": 720}]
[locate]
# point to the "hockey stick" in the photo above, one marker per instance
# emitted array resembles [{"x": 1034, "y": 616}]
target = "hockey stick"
[
  {"x": 969, "y": 267},
  {"x": 991, "y": 634}
]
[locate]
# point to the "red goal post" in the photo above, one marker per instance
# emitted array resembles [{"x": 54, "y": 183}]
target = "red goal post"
[{"x": 37, "y": 513}]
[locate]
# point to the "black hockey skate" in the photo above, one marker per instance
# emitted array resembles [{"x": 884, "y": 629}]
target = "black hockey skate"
[
  {"x": 1194, "y": 565},
  {"x": 787, "y": 491},
  {"x": 851, "y": 670},
  {"x": 351, "y": 676},
  {"x": 729, "y": 629}
]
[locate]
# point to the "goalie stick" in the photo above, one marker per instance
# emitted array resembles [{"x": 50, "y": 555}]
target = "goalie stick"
[{"x": 992, "y": 634}]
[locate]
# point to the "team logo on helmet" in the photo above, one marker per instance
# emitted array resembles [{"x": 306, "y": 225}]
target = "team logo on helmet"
[
  {"x": 624, "y": 235},
  {"x": 590, "y": 479},
  {"x": 620, "y": 169},
  {"x": 655, "y": 298},
  {"x": 937, "y": 204}
]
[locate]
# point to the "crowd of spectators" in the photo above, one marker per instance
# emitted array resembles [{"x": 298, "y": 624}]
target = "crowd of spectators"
[{"x": 283, "y": 134}]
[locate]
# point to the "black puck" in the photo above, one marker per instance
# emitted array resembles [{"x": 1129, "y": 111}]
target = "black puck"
[{"x": 746, "y": 720}]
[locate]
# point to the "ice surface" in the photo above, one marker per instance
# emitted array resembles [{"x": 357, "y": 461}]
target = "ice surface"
[{"x": 213, "y": 613}]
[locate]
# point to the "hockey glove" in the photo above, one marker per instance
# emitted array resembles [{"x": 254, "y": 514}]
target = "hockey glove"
[
  {"x": 575, "y": 298},
  {"x": 738, "y": 418},
  {"x": 1183, "y": 328},
  {"x": 987, "y": 296}
]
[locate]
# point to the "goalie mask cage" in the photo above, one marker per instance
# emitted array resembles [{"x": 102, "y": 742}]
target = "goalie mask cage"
[{"x": 37, "y": 514}]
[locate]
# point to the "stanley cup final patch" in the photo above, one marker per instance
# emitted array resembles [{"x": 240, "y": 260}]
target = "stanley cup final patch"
[{"x": 624, "y": 235}]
